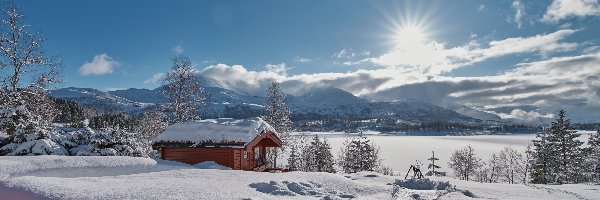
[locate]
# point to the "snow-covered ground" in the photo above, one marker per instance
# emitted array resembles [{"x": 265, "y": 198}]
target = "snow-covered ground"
[{"x": 61, "y": 177}]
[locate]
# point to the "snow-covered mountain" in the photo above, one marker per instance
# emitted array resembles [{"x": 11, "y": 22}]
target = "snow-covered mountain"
[
  {"x": 315, "y": 104},
  {"x": 102, "y": 101}
]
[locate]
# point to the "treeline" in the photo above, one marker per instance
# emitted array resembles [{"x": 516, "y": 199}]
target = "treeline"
[
  {"x": 556, "y": 156},
  {"x": 356, "y": 154}
]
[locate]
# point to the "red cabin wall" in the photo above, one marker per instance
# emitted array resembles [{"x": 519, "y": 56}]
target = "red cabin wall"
[{"x": 222, "y": 156}]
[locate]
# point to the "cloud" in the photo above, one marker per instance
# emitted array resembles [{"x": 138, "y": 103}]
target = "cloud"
[
  {"x": 530, "y": 116},
  {"x": 433, "y": 58},
  {"x": 571, "y": 83},
  {"x": 101, "y": 64},
  {"x": 562, "y": 9},
  {"x": 155, "y": 78},
  {"x": 280, "y": 69},
  {"x": 481, "y": 8},
  {"x": 238, "y": 78},
  {"x": 349, "y": 57},
  {"x": 177, "y": 49},
  {"x": 519, "y": 12},
  {"x": 299, "y": 59}
]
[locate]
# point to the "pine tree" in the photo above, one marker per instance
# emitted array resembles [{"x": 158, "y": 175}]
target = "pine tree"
[
  {"x": 295, "y": 158},
  {"x": 593, "y": 156},
  {"x": 317, "y": 156},
  {"x": 359, "y": 154},
  {"x": 541, "y": 160},
  {"x": 278, "y": 116},
  {"x": 566, "y": 151},
  {"x": 182, "y": 89}
]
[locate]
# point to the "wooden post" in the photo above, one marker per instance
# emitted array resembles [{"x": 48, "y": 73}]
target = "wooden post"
[{"x": 433, "y": 162}]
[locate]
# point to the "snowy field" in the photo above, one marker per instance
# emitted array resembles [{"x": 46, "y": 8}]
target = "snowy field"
[
  {"x": 399, "y": 152},
  {"x": 59, "y": 177}
]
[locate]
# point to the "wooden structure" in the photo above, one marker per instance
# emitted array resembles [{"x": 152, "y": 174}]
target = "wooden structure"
[
  {"x": 238, "y": 144},
  {"x": 416, "y": 172}
]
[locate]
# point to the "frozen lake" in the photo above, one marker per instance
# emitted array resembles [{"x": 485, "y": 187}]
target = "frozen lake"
[{"x": 399, "y": 152}]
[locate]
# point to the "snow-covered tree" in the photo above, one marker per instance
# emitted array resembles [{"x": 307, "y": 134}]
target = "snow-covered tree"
[
  {"x": 359, "y": 154},
  {"x": 541, "y": 160},
  {"x": 117, "y": 142},
  {"x": 511, "y": 165},
  {"x": 317, "y": 157},
  {"x": 148, "y": 127},
  {"x": 182, "y": 89},
  {"x": 593, "y": 156},
  {"x": 295, "y": 158},
  {"x": 566, "y": 151},
  {"x": 26, "y": 110},
  {"x": 557, "y": 156},
  {"x": 464, "y": 162},
  {"x": 277, "y": 114}
]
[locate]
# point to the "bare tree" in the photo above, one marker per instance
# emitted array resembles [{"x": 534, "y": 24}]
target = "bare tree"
[
  {"x": 464, "y": 162},
  {"x": 22, "y": 57},
  {"x": 512, "y": 165},
  {"x": 182, "y": 90}
]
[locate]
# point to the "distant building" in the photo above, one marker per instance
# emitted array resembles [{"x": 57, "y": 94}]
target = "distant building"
[{"x": 236, "y": 143}]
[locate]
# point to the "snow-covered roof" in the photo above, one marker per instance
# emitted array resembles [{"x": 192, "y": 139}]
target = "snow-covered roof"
[{"x": 222, "y": 130}]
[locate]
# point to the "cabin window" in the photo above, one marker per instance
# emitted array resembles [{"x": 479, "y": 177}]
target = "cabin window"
[
  {"x": 245, "y": 154},
  {"x": 256, "y": 153}
]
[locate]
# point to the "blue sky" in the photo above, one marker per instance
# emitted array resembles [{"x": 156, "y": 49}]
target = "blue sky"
[{"x": 386, "y": 44}]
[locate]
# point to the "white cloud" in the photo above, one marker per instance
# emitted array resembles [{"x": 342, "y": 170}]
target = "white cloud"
[
  {"x": 519, "y": 12},
  {"x": 562, "y": 9},
  {"x": 101, "y": 64},
  {"x": 280, "y": 69},
  {"x": 155, "y": 78},
  {"x": 530, "y": 116},
  {"x": 481, "y": 8},
  {"x": 177, "y": 49},
  {"x": 349, "y": 57},
  {"x": 299, "y": 59},
  {"x": 348, "y": 53},
  {"x": 433, "y": 58}
]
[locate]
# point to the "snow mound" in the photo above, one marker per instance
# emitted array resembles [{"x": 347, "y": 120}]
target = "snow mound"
[
  {"x": 286, "y": 188},
  {"x": 215, "y": 130},
  {"x": 427, "y": 189},
  {"x": 211, "y": 165},
  {"x": 11, "y": 166},
  {"x": 423, "y": 184}
]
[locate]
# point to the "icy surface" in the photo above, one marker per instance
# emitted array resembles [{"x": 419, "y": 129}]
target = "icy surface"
[{"x": 215, "y": 130}]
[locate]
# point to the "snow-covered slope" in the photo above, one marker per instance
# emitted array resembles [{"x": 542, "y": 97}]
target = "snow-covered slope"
[
  {"x": 474, "y": 113},
  {"x": 102, "y": 101},
  {"x": 329, "y": 96}
]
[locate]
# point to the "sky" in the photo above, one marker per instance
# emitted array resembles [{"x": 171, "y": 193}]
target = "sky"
[{"x": 518, "y": 59}]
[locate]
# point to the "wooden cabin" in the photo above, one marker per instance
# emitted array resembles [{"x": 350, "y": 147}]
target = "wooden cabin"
[{"x": 240, "y": 144}]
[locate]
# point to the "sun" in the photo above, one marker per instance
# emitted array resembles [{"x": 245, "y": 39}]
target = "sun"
[{"x": 410, "y": 35}]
